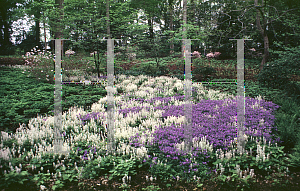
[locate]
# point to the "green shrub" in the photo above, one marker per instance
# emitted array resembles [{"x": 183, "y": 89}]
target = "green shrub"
[
  {"x": 276, "y": 73},
  {"x": 205, "y": 72},
  {"x": 15, "y": 181},
  {"x": 295, "y": 157},
  {"x": 287, "y": 122}
]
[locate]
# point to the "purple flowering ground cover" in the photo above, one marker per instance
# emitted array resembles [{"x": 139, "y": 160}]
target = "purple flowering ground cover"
[
  {"x": 218, "y": 129},
  {"x": 213, "y": 119},
  {"x": 215, "y": 129},
  {"x": 149, "y": 137}
]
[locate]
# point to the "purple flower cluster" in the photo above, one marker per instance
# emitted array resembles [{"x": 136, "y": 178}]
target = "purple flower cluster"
[
  {"x": 215, "y": 124},
  {"x": 86, "y": 152},
  {"x": 164, "y": 100},
  {"x": 89, "y": 116},
  {"x": 95, "y": 115},
  {"x": 218, "y": 128}
]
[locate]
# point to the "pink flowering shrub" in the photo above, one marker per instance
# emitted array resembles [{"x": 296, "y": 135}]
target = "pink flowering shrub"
[
  {"x": 210, "y": 55},
  {"x": 69, "y": 52},
  {"x": 40, "y": 64},
  {"x": 196, "y": 54},
  {"x": 217, "y": 54},
  {"x": 213, "y": 55},
  {"x": 37, "y": 56}
]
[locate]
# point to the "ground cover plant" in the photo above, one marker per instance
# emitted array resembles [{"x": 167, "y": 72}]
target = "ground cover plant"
[
  {"x": 23, "y": 97},
  {"x": 149, "y": 117}
]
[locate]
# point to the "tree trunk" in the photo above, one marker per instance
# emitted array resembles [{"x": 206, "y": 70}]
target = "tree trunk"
[
  {"x": 193, "y": 4},
  {"x": 107, "y": 21},
  {"x": 263, "y": 33},
  {"x": 266, "y": 51},
  {"x": 58, "y": 34},
  {"x": 37, "y": 29},
  {"x": 184, "y": 29},
  {"x": 45, "y": 36},
  {"x": 150, "y": 24},
  {"x": 171, "y": 25},
  {"x": 6, "y": 28},
  {"x": 37, "y": 33},
  {"x": 52, "y": 42}
]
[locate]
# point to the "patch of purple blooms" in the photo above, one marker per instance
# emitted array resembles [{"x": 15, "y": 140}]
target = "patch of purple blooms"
[
  {"x": 218, "y": 128},
  {"x": 166, "y": 100},
  {"x": 89, "y": 116},
  {"x": 86, "y": 152},
  {"x": 214, "y": 123}
]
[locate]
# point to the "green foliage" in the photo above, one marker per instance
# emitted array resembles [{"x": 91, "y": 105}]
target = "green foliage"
[
  {"x": 9, "y": 143},
  {"x": 234, "y": 181},
  {"x": 287, "y": 122},
  {"x": 229, "y": 179},
  {"x": 13, "y": 180},
  {"x": 97, "y": 167},
  {"x": 41, "y": 179},
  {"x": 276, "y": 73},
  {"x": 152, "y": 188},
  {"x": 295, "y": 157},
  {"x": 123, "y": 168},
  {"x": 149, "y": 67},
  {"x": 125, "y": 186},
  {"x": 163, "y": 172},
  {"x": 274, "y": 76},
  {"x": 93, "y": 170},
  {"x": 68, "y": 175},
  {"x": 132, "y": 72},
  {"x": 205, "y": 72},
  {"x": 25, "y": 97}
]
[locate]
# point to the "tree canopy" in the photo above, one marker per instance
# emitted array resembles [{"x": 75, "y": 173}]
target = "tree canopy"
[{"x": 271, "y": 24}]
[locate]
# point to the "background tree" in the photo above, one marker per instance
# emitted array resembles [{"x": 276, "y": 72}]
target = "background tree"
[
  {"x": 214, "y": 22},
  {"x": 170, "y": 10},
  {"x": 8, "y": 11},
  {"x": 184, "y": 18},
  {"x": 107, "y": 20}
]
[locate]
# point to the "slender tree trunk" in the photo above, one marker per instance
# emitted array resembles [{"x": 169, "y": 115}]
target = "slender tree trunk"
[
  {"x": 263, "y": 33},
  {"x": 58, "y": 34},
  {"x": 107, "y": 21},
  {"x": 37, "y": 33},
  {"x": 171, "y": 25},
  {"x": 150, "y": 24},
  {"x": 45, "y": 36},
  {"x": 6, "y": 29},
  {"x": 266, "y": 50},
  {"x": 37, "y": 29},
  {"x": 51, "y": 42},
  {"x": 184, "y": 23},
  {"x": 193, "y": 4}
]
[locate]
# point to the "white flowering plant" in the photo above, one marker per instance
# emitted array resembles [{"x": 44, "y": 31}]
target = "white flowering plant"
[
  {"x": 147, "y": 133},
  {"x": 41, "y": 64}
]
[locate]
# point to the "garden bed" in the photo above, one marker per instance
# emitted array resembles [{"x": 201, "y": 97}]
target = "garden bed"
[{"x": 145, "y": 160}]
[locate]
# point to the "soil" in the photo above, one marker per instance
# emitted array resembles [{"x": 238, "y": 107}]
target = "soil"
[
  {"x": 11, "y": 61},
  {"x": 139, "y": 181}
]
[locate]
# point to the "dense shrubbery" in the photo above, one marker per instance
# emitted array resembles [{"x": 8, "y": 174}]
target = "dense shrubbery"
[
  {"x": 23, "y": 97},
  {"x": 277, "y": 72}
]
